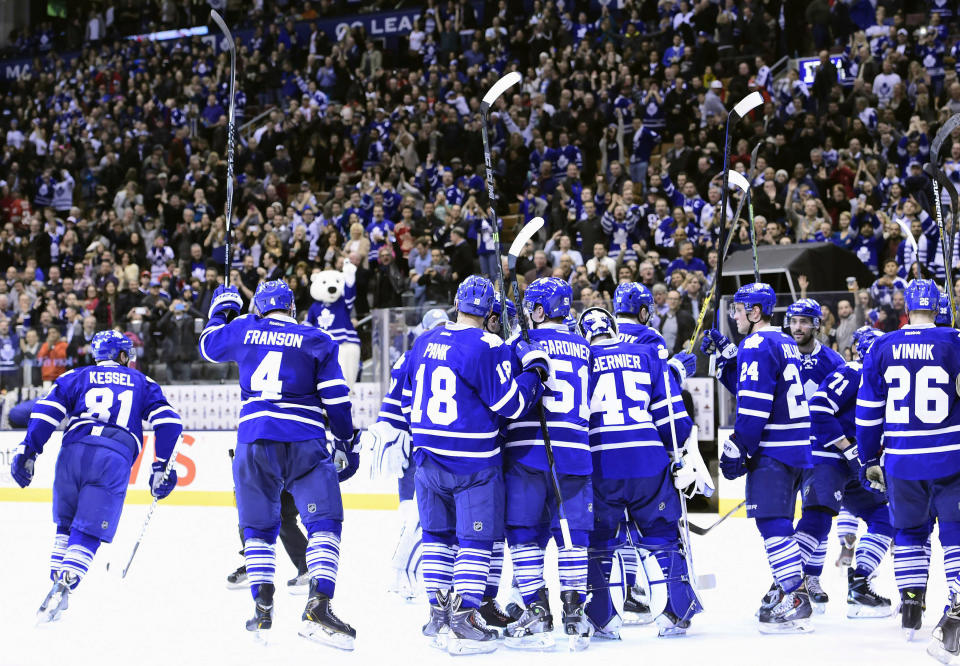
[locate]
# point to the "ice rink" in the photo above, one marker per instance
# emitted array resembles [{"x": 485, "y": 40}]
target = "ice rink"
[{"x": 174, "y": 609}]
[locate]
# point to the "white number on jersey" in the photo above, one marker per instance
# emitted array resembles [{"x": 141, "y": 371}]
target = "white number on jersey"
[
  {"x": 605, "y": 398},
  {"x": 564, "y": 394},
  {"x": 796, "y": 403},
  {"x": 839, "y": 384},
  {"x": 442, "y": 405},
  {"x": 930, "y": 404},
  {"x": 265, "y": 380},
  {"x": 749, "y": 369},
  {"x": 99, "y": 402}
]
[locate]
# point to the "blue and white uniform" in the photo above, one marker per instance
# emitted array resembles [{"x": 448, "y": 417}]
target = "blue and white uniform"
[{"x": 334, "y": 318}]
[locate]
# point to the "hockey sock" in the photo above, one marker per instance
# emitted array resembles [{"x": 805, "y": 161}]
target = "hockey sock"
[
  {"x": 950, "y": 540},
  {"x": 528, "y": 569},
  {"x": 496, "y": 570},
  {"x": 572, "y": 563},
  {"x": 261, "y": 560},
  {"x": 437, "y": 566},
  {"x": 847, "y": 524},
  {"x": 814, "y": 564},
  {"x": 59, "y": 548},
  {"x": 471, "y": 567},
  {"x": 323, "y": 556},
  {"x": 78, "y": 555},
  {"x": 783, "y": 551},
  {"x": 911, "y": 561},
  {"x": 812, "y": 533},
  {"x": 874, "y": 544}
]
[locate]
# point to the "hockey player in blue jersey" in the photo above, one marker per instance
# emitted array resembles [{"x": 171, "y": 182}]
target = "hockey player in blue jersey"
[
  {"x": 907, "y": 409},
  {"x": 105, "y": 405},
  {"x": 770, "y": 444},
  {"x": 531, "y": 505},
  {"x": 832, "y": 411},
  {"x": 633, "y": 422},
  {"x": 290, "y": 379},
  {"x": 458, "y": 385}
]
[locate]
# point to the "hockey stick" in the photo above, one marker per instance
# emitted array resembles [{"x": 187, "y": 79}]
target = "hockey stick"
[
  {"x": 153, "y": 507},
  {"x": 935, "y": 175},
  {"x": 752, "y": 174},
  {"x": 516, "y": 247},
  {"x": 942, "y": 134},
  {"x": 702, "y": 531},
  {"x": 231, "y": 114},
  {"x": 496, "y": 90}
]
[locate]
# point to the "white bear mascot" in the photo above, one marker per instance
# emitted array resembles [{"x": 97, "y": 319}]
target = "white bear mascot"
[{"x": 334, "y": 293}]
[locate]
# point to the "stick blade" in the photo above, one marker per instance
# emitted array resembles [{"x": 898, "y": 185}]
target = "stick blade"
[
  {"x": 529, "y": 230},
  {"x": 215, "y": 15},
  {"x": 503, "y": 83},
  {"x": 748, "y": 103},
  {"x": 736, "y": 178}
]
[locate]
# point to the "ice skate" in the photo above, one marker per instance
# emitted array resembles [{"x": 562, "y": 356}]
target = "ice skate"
[
  {"x": 635, "y": 609},
  {"x": 911, "y": 610},
  {"x": 818, "y": 598},
  {"x": 770, "y": 599},
  {"x": 56, "y": 601},
  {"x": 321, "y": 624},
  {"x": 610, "y": 631},
  {"x": 534, "y": 629},
  {"x": 575, "y": 622},
  {"x": 238, "y": 579},
  {"x": 792, "y": 615},
  {"x": 847, "y": 546},
  {"x": 945, "y": 645},
  {"x": 469, "y": 634},
  {"x": 669, "y": 625},
  {"x": 862, "y": 600},
  {"x": 262, "y": 621},
  {"x": 437, "y": 627},
  {"x": 299, "y": 584},
  {"x": 495, "y": 617}
]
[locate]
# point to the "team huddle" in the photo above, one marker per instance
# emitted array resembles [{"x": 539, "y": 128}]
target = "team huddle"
[{"x": 573, "y": 431}]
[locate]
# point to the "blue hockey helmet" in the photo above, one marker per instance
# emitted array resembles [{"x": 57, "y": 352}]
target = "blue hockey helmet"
[
  {"x": 273, "y": 295},
  {"x": 943, "y": 311},
  {"x": 805, "y": 307},
  {"x": 922, "y": 295},
  {"x": 757, "y": 293},
  {"x": 595, "y": 322},
  {"x": 571, "y": 323},
  {"x": 552, "y": 294},
  {"x": 107, "y": 345},
  {"x": 475, "y": 296},
  {"x": 630, "y": 297},
  {"x": 433, "y": 318},
  {"x": 863, "y": 339}
]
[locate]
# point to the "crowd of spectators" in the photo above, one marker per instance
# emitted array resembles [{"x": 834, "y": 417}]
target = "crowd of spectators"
[{"x": 112, "y": 171}]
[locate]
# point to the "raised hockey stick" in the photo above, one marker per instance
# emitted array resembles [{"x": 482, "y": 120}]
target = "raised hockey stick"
[
  {"x": 752, "y": 174},
  {"x": 516, "y": 247},
  {"x": 952, "y": 123},
  {"x": 702, "y": 531},
  {"x": 936, "y": 175},
  {"x": 231, "y": 114},
  {"x": 505, "y": 82}
]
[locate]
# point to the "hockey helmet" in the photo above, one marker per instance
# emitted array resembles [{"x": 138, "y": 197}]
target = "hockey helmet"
[
  {"x": 552, "y": 294},
  {"x": 863, "y": 339},
  {"x": 943, "y": 311},
  {"x": 475, "y": 296},
  {"x": 630, "y": 297},
  {"x": 107, "y": 345},
  {"x": 757, "y": 293},
  {"x": 433, "y": 318},
  {"x": 805, "y": 307},
  {"x": 596, "y": 322},
  {"x": 273, "y": 295},
  {"x": 922, "y": 295}
]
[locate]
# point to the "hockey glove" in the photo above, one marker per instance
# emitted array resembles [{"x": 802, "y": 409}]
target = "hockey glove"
[
  {"x": 733, "y": 460},
  {"x": 850, "y": 457},
  {"x": 692, "y": 476},
  {"x": 715, "y": 342},
  {"x": 160, "y": 487},
  {"x": 534, "y": 357},
  {"x": 390, "y": 448},
  {"x": 346, "y": 456},
  {"x": 683, "y": 365},
  {"x": 871, "y": 476},
  {"x": 225, "y": 300},
  {"x": 21, "y": 469}
]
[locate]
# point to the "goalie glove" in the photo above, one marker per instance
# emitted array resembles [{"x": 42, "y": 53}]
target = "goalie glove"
[
  {"x": 390, "y": 449},
  {"x": 691, "y": 475}
]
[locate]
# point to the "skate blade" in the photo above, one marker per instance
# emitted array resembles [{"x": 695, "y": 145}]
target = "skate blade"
[
  {"x": 909, "y": 634},
  {"x": 856, "y": 612},
  {"x": 804, "y": 626},
  {"x": 578, "y": 643},
  {"x": 541, "y": 641},
  {"x": 298, "y": 590},
  {"x": 818, "y": 608},
  {"x": 637, "y": 619},
  {"x": 238, "y": 586},
  {"x": 936, "y": 650},
  {"x": 317, "y": 634},
  {"x": 45, "y": 617},
  {"x": 261, "y": 637},
  {"x": 672, "y": 632},
  {"x": 460, "y": 646},
  {"x": 52, "y": 610}
]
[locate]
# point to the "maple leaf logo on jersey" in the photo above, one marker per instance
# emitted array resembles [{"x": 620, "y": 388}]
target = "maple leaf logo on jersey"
[
  {"x": 753, "y": 342},
  {"x": 325, "y": 319}
]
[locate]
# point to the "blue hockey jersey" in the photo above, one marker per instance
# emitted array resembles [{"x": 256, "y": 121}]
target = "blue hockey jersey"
[
  {"x": 773, "y": 417},
  {"x": 334, "y": 318},
  {"x": 566, "y": 404},
  {"x": 390, "y": 411},
  {"x": 908, "y": 403},
  {"x": 833, "y": 410},
  {"x": 106, "y": 404},
  {"x": 641, "y": 334},
  {"x": 457, "y": 387},
  {"x": 630, "y": 433},
  {"x": 814, "y": 368},
  {"x": 290, "y": 378}
]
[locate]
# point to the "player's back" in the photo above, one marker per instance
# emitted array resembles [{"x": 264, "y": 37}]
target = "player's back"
[
  {"x": 909, "y": 396},
  {"x": 833, "y": 410},
  {"x": 566, "y": 402},
  {"x": 641, "y": 334}
]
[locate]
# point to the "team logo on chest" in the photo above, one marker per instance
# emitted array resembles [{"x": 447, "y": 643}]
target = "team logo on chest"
[{"x": 325, "y": 320}]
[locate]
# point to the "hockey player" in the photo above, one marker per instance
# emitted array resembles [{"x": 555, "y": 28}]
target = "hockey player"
[
  {"x": 832, "y": 409},
  {"x": 770, "y": 443},
  {"x": 908, "y": 404},
  {"x": 458, "y": 386},
  {"x": 532, "y": 512},
  {"x": 289, "y": 378},
  {"x": 634, "y": 419},
  {"x": 105, "y": 404}
]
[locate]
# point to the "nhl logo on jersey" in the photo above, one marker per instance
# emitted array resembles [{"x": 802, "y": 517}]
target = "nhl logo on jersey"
[
  {"x": 590, "y": 507},
  {"x": 311, "y": 508},
  {"x": 478, "y": 526},
  {"x": 838, "y": 495},
  {"x": 104, "y": 525},
  {"x": 662, "y": 506}
]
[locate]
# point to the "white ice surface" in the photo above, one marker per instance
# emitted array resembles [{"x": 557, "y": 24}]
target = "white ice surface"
[{"x": 174, "y": 610}]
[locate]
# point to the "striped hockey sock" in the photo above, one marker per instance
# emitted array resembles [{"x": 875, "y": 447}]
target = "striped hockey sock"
[
  {"x": 870, "y": 551},
  {"x": 528, "y": 569},
  {"x": 847, "y": 524},
  {"x": 783, "y": 554},
  {"x": 496, "y": 570},
  {"x": 951, "y": 567},
  {"x": 261, "y": 560},
  {"x": 470, "y": 570},
  {"x": 323, "y": 559},
  {"x": 572, "y": 563},
  {"x": 813, "y": 566},
  {"x": 56, "y": 555},
  {"x": 78, "y": 557},
  {"x": 437, "y": 568},
  {"x": 808, "y": 545},
  {"x": 911, "y": 564}
]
